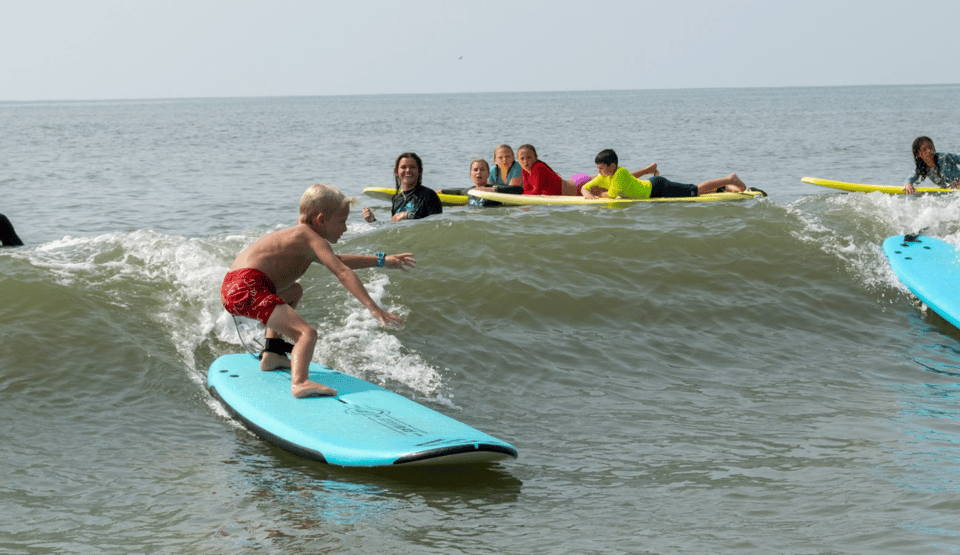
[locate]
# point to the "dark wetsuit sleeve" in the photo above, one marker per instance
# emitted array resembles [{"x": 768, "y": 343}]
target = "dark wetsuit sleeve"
[
  {"x": 510, "y": 189},
  {"x": 429, "y": 205},
  {"x": 8, "y": 236}
]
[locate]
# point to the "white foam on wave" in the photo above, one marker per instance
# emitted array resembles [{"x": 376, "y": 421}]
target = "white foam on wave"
[
  {"x": 868, "y": 219},
  {"x": 173, "y": 279},
  {"x": 176, "y": 281},
  {"x": 360, "y": 346},
  {"x": 353, "y": 343}
]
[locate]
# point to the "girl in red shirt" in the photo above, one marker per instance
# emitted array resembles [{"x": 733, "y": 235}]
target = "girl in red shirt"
[{"x": 539, "y": 178}]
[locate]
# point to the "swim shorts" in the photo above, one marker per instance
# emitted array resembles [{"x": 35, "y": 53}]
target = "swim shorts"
[
  {"x": 664, "y": 188},
  {"x": 250, "y": 293}
]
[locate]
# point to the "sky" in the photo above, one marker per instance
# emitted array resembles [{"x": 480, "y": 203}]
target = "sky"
[{"x": 147, "y": 49}]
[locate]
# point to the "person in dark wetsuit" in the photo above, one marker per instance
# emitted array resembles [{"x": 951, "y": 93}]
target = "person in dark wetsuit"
[
  {"x": 412, "y": 200},
  {"x": 8, "y": 236}
]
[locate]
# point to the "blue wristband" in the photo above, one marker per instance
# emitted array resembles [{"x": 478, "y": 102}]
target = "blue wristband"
[{"x": 380, "y": 259}]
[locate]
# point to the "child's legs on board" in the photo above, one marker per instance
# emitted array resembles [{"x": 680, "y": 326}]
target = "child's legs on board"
[
  {"x": 730, "y": 184},
  {"x": 286, "y": 321}
]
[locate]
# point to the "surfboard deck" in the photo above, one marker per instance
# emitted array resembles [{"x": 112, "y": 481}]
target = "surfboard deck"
[
  {"x": 554, "y": 200},
  {"x": 930, "y": 268},
  {"x": 864, "y": 188},
  {"x": 452, "y": 198},
  {"x": 365, "y": 425}
]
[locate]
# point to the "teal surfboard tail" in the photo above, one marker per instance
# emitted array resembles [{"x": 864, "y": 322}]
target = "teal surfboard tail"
[{"x": 365, "y": 425}]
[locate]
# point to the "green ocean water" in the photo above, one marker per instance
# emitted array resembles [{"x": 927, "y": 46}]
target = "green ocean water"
[{"x": 744, "y": 377}]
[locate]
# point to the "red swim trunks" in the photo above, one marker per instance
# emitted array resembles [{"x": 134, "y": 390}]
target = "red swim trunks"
[{"x": 248, "y": 292}]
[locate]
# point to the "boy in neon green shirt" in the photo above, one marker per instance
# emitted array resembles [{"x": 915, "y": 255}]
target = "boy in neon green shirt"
[{"x": 617, "y": 182}]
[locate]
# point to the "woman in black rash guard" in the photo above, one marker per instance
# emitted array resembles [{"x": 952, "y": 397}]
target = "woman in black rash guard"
[
  {"x": 7, "y": 235},
  {"x": 412, "y": 200}
]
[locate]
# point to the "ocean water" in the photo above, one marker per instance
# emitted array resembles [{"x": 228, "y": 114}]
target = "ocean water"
[{"x": 744, "y": 377}]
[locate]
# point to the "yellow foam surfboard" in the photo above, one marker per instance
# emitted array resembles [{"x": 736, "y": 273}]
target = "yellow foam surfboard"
[
  {"x": 527, "y": 200},
  {"x": 386, "y": 193},
  {"x": 865, "y": 188}
]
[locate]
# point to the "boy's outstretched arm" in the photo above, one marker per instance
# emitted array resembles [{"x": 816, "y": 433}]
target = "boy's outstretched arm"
[
  {"x": 350, "y": 280},
  {"x": 393, "y": 261}
]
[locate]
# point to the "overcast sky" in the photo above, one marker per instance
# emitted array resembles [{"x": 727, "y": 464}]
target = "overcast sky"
[{"x": 118, "y": 49}]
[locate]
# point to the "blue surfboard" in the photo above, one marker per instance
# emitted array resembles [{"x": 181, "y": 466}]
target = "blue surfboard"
[
  {"x": 930, "y": 268},
  {"x": 364, "y": 425}
]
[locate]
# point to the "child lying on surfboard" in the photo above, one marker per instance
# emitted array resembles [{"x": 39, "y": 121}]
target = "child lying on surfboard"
[
  {"x": 262, "y": 282},
  {"x": 616, "y": 182}
]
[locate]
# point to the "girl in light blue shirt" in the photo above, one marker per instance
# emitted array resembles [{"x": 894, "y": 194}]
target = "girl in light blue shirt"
[{"x": 507, "y": 171}]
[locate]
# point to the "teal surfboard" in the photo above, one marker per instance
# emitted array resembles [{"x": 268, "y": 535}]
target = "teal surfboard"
[
  {"x": 930, "y": 268},
  {"x": 364, "y": 425}
]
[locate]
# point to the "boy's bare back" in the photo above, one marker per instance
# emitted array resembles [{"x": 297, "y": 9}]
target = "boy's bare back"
[{"x": 285, "y": 255}]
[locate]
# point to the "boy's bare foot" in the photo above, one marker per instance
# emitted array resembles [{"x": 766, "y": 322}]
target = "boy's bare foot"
[
  {"x": 271, "y": 361},
  {"x": 311, "y": 389},
  {"x": 737, "y": 182}
]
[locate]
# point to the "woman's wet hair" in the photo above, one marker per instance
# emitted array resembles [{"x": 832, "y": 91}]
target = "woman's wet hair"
[
  {"x": 922, "y": 167},
  {"x": 396, "y": 167}
]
